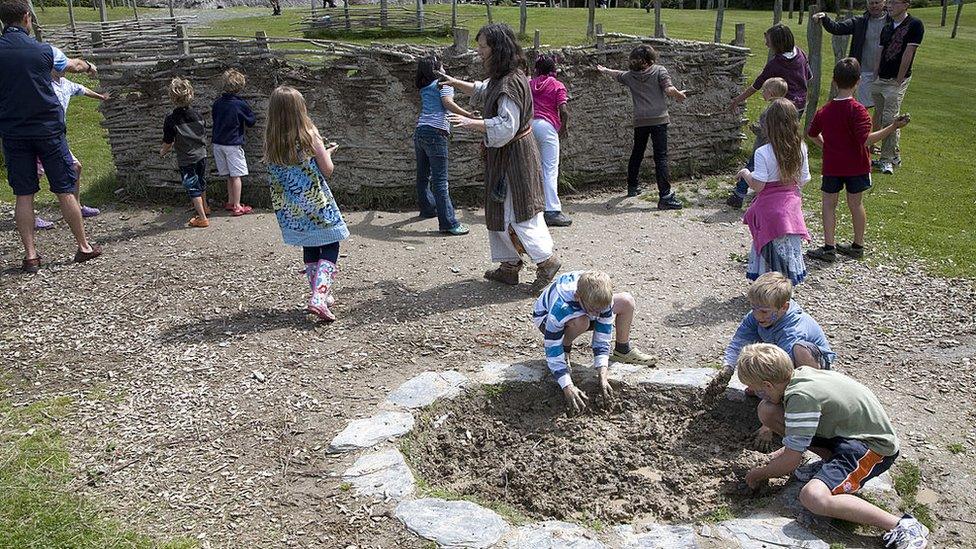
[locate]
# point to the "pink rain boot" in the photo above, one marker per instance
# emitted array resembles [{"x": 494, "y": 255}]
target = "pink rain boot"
[
  {"x": 310, "y": 270},
  {"x": 325, "y": 273}
]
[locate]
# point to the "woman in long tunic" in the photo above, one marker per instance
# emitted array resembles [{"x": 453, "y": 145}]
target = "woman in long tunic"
[{"x": 513, "y": 184}]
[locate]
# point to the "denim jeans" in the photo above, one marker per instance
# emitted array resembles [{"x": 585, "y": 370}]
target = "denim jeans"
[
  {"x": 659, "y": 141},
  {"x": 430, "y": 144},
  {"x": 741, "y": 187}
]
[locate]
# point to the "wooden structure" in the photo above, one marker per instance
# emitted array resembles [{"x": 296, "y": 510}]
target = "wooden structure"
[{"x": 356, "y": 20}]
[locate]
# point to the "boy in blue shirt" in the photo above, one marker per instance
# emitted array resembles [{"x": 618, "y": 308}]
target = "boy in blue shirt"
[
  {"x": 32, "y": 127},
  {"x": 577, "y": 302},
  {"x": 231, "y": 115}
]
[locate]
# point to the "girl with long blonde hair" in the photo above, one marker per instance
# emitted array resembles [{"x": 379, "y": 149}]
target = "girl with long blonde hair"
[
  {"x": 775, "y": 217},
  {"x": 298, "y": 164}
]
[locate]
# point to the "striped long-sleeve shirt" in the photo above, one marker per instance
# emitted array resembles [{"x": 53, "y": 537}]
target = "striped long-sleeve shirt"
[{"x": 557, "y": 306}]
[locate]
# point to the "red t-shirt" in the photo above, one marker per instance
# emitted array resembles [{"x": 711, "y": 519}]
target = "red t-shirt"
[{"x": 845, "y": 124}]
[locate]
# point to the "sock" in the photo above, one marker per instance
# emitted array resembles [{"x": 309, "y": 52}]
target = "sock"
[
  {"x": 622, "y": 348},
  {"x": 856, "y": 246}
]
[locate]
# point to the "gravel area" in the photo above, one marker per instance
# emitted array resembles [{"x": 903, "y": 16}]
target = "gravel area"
[{"x": 204, "y": 397}]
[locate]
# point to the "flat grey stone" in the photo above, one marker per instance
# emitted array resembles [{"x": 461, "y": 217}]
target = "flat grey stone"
[
  {"x": 500, "y": 372},
  {"x": 764, "y": 531},
  {"x": 736, "y": 390},
  {"x": 635, "y": 374},
  {"x": 553, "y": 534},
  {"x": 383, "y": 473},
  {"x": 452, "y": 523},
  {"x": 657, "y": 536},
  {"x": 363, "y": 433},
  {"x": 426, "y": 388},
  {"x": 881, "y": 484}
]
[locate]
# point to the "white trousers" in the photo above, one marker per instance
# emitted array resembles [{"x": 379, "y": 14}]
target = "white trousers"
[
  {"x": 548, "y": 139},
  {"x": 533, "y": 233}
]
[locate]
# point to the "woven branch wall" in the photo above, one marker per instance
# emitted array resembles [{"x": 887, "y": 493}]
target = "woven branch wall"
[{"x": 364, "y": 99}]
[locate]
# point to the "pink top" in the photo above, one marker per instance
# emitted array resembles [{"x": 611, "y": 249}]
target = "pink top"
[
  {"x": 776, "y": 211},
  {"x": 547, "y": 95}
]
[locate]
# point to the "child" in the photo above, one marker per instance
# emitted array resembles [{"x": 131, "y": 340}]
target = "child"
[
  {"x": 649, "y": 83},
  {"x": 574, "y": 303},
  {"x": 231, "y": 115},
  {"x": 775, "y": 217},
  {"x": 65, "y": 89},
  {"x": 775, "y": 318},
  {"x": 430, "y": 144},
  {"x": 184, "y": 129},
  {"x": 298, "y": 163},
  {"x": 787, "y": 62},
  {"x": 843, "y": 129},
  {"x": 840, "y": 420},
  {"x": 774, "y": 88},
  {"x": 549, "y": 123}
]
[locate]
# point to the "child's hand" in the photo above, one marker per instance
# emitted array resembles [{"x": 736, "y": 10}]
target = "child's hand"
[
  {"x": 605, "y": 387},
  {"x": 575, "y": 398},
  {"x": 755, "y": 477},
  {"x": 601, "y": 68},
  {"x": 444, "y": 77},
  {"x": 902, "y": 121},
  {"x": 459, "y": 121},
  {"x": 743, "y": 173},
  {"x": 331, "y": 147}
]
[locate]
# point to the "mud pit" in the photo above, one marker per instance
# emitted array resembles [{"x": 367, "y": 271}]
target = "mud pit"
[{"x": 651, "y": 455}]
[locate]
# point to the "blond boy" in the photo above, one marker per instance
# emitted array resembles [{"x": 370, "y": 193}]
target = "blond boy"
[
  {"x": 574, "y": 303},
  {"x": 231, "y": 116},
  {"x": 840, "y": 420},
  {"x": 184, "y": 130},
  {"x": 772, "y": 88}
]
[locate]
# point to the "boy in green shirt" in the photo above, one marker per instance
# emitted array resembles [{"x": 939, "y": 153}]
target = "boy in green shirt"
[{"x": 838, "y": 419}]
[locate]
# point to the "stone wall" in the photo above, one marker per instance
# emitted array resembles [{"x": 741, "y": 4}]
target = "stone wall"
[{"x": 364, "y": 99}]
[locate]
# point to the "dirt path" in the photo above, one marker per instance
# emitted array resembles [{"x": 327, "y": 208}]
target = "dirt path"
[{"x": 158, "y": 342}]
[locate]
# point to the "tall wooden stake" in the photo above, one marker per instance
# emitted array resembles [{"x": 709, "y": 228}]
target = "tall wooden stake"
[
  {"x": 591, "y": 19},
  {"x": 453, "y": 13},
  {"x": 102, "y": 14},
  {"x": 488, "y": 7},
  {"x": 135, "y": 10},
  {"x": 420, "y": 15},
  {"x": 777, "y": 11},
  {"x": 657, "y": 19},
  {"x": 814, "y": 47},
  {"x": 537, "y": 40},
  {"x": 790, "y": 16},
  {"x": 740, "y": 34},
  {"x": 945, "y": 8},
  {"x": 385, "y": 10},
  {"x": 523, "y": 17},
  {"x": 171, "y": 14},
  {"x": 719, "y": 17},
  {"x": 71, "y": 15},
  {"x": 955, "y": 25},
  {"x": 799, "y": 14}
]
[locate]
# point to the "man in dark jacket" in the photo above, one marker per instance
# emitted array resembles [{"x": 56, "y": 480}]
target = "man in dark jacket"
[{"x": 865, "y": 31}]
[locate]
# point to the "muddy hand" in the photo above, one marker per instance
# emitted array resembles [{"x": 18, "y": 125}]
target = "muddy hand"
[
  {"x": 763, "y": 440},
  {"x": 575, "y": 399}
]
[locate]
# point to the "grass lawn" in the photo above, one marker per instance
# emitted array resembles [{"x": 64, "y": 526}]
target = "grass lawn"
[{"x": 926, "y": 208}]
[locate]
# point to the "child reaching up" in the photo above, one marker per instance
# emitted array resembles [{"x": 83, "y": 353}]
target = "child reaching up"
[
  {"x": 231, "y": 115},
  {"x": 298, "y": 163},
  {"x": 775, "y": 217},
  {"x": 774, "y": 88},
  {"x": 650, "y": 85},
  {"x": 184, "y": 129}
]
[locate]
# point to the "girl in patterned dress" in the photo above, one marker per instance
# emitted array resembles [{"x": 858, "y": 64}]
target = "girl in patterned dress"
[
  {"x": 775, "y": 217},
  {"x": 298, "y": 163}
]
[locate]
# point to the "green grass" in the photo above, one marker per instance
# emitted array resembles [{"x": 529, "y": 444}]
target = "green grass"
[
  {"x": 908, "y": 479},
  {"x": 924, "y": 209},
  {"x": 37, "y": 507},
  {"x": 721, "y": 514},
  {"x": 956, "y": 448}
]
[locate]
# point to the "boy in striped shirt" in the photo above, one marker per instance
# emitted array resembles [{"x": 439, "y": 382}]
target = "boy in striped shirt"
[
  {"x": 574, "y": 303},
  {"x": 838, "y": 419}
]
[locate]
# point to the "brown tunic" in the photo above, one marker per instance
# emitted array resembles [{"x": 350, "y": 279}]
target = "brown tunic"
[{"x": 518, "y": 160}]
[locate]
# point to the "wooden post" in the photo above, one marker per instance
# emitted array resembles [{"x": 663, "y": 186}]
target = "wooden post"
[
  {"x": 35, "y": 24},
  {"x": 345, "y": 12},
  {"x": 799, "y": 13},
  {"x": 814, "y": 47},
  {"x": 719, "y": 16},
  {"x": 181, "y": 34},
  {"x": 420, "y": 15},
  {"x": 955, "y": 25},
  {"x": 453, "y": 13},
  {"x": 96, "y": 39},
  {"x": 488, "y": 7},
  {"x": 461, "y": 39},
  {"x": 537, "y": 40},
  {"x": 945, "y": 8},
  {"x": 171, "y": 14},
  {"x": 135, "y": 10},
  {"x": 657, "y": 19},
  {"x": 71, "y": 15},
  {"x": 42, "y": 5},
  {"x": 790, "y": 16},
  {"x": 590, "y": 18},
  {"x": 740, "y": 34},
  {"x": 523, "y": 17},
  {"x": 261, "y": 38},
  {"x": 601, "y": 41},
  {"x": 697, "y": 4},
  {"x": 385, "y": 11},
  {"x": 102, "y": 15},
  {"x": 777, "y": 11}
]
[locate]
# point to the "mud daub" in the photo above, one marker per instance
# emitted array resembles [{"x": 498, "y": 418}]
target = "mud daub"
[{"x": 652, "y": 455}]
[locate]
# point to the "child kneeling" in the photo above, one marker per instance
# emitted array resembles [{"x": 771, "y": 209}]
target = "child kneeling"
[
  {"x": 577, "y": 302},
  {"x": 840, "y": 420}
]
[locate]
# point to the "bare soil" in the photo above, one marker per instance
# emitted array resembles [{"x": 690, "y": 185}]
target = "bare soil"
[{"x": 171, "y": 431}]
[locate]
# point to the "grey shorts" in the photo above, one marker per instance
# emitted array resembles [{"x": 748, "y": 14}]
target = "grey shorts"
[
  {"x": 230, "y": 160},
  {"x": 816, "y": 352}
]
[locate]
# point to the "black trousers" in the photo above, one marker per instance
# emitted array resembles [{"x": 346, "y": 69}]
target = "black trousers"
[
  {"x": 329, "y": 252},
  {"x": 659, "y": 142}
]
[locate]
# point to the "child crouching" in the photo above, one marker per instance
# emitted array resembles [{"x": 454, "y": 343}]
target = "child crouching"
[{"x": 298, "y": 163}]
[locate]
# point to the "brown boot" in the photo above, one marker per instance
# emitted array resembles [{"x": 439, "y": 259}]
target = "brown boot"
[
  {"x": 545, "y": 271},
  {"x": 506, "y": 273}
]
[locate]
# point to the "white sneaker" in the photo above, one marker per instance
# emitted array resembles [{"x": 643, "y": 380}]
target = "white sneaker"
[
  {"x": 887, "y": 168},
  {"x": 908, "y": 534}
]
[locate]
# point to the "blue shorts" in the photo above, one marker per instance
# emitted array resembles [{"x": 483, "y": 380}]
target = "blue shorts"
[
  {"x": 195, "y": 178},
  {"x": 851, "y": 465},
  {"x": 22, "y": 155},
  {"x": 855, "y": 183}
]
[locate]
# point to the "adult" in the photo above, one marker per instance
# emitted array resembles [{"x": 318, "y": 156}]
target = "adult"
[
  {"x": 549, "y": 124},
  {"x": 865, "y": 32},
  {"x": 32, "y": 127},
  {"x": 513, "y": 187},
  {"x": 900, "y": 38}
]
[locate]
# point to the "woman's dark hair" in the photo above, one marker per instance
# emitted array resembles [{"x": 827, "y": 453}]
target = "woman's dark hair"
[
  {"x": 506, "y": 53},
  {"x": 780, "y": 38},
  {"x": 641, "y": 57},
  {"x": 425, "y": 70},
  {"x": 545, "y": 65}
]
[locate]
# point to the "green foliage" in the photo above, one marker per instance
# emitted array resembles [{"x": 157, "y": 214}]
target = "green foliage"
[
  {"x": 908, "y": 479},
  {"x": 721, "y": 514},
  {"x": 956, "y": 447}
]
